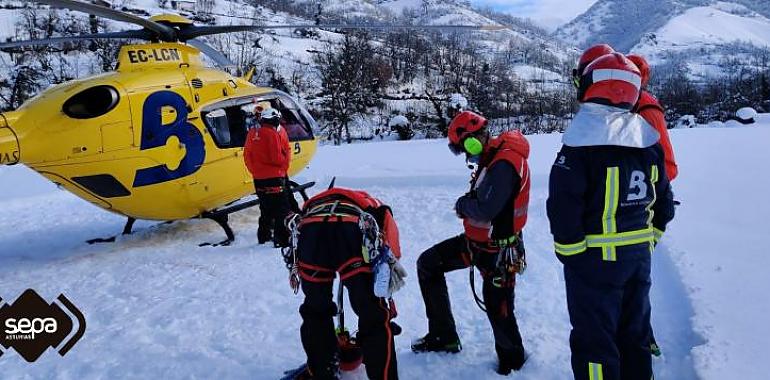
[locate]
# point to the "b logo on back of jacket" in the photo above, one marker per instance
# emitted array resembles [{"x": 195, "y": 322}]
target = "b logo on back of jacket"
[{"x": 637, "y": 188}]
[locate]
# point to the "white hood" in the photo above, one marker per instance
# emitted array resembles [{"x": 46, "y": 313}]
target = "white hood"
[{"x": 597, "y": 124}]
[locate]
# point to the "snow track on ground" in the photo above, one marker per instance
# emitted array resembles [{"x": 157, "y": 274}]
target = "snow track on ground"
[{"x": 672, "y": 315}]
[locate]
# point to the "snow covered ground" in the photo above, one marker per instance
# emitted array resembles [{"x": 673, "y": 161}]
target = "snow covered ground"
[{"x": 158, "y": 306}]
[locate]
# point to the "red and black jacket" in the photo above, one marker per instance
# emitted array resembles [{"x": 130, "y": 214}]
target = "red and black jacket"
[
  {"x": 267, "y": 153},
  {"x": 495, "y": 210},
  {"x": 339, "y": 205},
  {"x": 362, "y": 201}
]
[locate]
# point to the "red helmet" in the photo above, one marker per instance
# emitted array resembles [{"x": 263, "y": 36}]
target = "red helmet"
[
  {"x": 590, "y": 55},
  {"x": 644, "y": 67},
  {"x": 612, "y": 80},
  {"x": 463, "y": 125}
]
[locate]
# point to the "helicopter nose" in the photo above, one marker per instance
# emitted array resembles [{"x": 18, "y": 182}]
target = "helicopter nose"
[{"x": 9, "y": 144}]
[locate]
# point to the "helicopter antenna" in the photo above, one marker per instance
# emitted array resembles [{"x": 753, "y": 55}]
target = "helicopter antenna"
[{"x": 331, "y": 184}]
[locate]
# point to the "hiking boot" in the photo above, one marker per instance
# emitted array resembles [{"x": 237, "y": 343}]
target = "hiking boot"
[
  {"x": 510, "y": 359},
  {"x": 510, "y": 363},
  {"x": 437, "y": 343},
  {"x": 264, "y": 235}
]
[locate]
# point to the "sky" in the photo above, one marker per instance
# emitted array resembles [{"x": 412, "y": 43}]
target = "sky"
[{"x": 548, "y": 13}]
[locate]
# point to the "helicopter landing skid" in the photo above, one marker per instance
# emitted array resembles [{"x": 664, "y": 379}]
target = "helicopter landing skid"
[
  {"x": 127, "y": 230},
  {"x": 222, "y": 216}
]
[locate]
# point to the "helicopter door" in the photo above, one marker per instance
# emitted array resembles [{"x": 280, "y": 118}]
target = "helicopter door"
[{"x": 227, "y": 123}]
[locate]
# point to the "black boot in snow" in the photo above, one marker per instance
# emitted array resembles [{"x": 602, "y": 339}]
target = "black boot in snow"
[
  {"x": 264, "y": 235},
  {"x": 509, "y": 360},
  {"x": 437, "y": 343}
]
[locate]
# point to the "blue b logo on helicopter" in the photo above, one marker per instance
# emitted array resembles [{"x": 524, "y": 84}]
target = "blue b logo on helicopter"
[{"x": 155, "y": 134}]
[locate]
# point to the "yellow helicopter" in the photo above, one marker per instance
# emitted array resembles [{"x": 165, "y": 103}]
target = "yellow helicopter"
[{"x": 161, "y": 137}]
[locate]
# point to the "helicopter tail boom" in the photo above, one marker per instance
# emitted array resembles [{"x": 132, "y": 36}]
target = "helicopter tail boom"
[{"x": 9, "y": 144}]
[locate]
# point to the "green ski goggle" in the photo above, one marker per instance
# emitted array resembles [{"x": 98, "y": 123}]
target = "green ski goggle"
[{"x": 473, "y": 146}]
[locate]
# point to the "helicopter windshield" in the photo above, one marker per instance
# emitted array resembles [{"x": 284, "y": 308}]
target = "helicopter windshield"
[{"x": 296, "y": 124}]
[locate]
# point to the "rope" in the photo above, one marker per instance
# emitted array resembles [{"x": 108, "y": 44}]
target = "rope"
[
  {"x": 472, "y": 278},
  {"x": 290, "y": 254}
]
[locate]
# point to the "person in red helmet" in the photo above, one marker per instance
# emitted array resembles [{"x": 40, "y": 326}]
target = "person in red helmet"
[
  {"x": 609, "y": 201},
  {"x": 588, "y": 56},
  {"x": 353, "y": 236},
  {"x": 267, "y": 156},
  {"x": 494, "y": 213},
  {"x": 651, "y": 110}
]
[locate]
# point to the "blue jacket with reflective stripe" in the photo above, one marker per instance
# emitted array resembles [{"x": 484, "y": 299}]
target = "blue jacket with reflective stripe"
[{"x": 600, "y": 194}]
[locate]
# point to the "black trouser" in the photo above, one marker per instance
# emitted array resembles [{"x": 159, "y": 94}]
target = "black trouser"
[
  {"x": 450, "y": 255},
  {"x": 323, "y": 249},
  {"x": 609, "y": 309},
  {"x": 275, "y": 203}
]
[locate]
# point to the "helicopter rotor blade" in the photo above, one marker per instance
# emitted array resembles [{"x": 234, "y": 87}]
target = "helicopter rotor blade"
[
  {"x": 165, "y": 32},
  {"x": 217, "y": 56},
  {"x": 128, "y": 34},
  {"x": 484, "y": 27},
  {"x": 194, "y": 31}
]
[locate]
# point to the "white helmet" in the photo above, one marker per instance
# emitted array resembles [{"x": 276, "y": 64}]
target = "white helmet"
[
  {"x": 271, "y": 116},
  {"x": 458, "y": 101}
]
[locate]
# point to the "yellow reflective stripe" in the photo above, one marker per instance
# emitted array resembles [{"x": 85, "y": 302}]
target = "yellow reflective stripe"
[
  {"x": 658, "y": 234},
  {"x": 595, "y": 371},
  {"x": 611, "y": 196},
  {"x": 505, "y": 242},
  {"x": 609, "y": 253},
  {"x": 612, "y": 188},
  {"x": 571, "y": 249},
  {"x": 653, "y": 179},
  {"x": 620, "y": 239}
]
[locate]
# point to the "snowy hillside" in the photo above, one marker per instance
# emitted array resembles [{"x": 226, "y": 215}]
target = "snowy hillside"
[
  {"x": 658, "y": 27},
  {"x": 416, "y": 70},
  {"x": 157, "y": 306}
]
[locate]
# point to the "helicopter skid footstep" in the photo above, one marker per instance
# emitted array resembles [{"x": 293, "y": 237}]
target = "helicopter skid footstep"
[{"x": 128, "y": 229}]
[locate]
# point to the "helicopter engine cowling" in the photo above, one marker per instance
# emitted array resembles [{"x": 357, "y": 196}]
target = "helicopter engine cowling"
[{"x": 9, "y": 145}]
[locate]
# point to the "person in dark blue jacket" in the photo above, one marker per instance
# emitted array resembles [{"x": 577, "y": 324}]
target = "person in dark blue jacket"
[{"x": 609, "y": 202}]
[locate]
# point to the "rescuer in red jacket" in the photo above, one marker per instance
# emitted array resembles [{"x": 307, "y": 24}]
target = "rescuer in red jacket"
[
  {"x": 267, "y": 155},
  {"x": 650, "y": 109}
]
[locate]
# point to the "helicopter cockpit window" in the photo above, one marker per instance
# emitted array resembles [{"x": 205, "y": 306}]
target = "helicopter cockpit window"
[
  {"x": 220, "y": 129},
  {"x": 92, "y": 102},
  {"x": 228, "y": 124}
]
